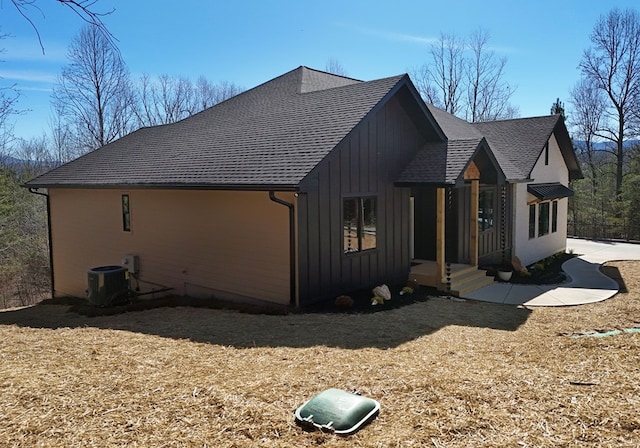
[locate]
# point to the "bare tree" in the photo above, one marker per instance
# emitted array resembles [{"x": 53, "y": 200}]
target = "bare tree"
[
  {"x": 166, "y": 101},
  {"x": 334, "y": 66},
  {"x": 63, "y": 147},
  {"x": 8, "y": 107},
  {"x": 441, "y": 81},
  {"x": 82, "y": 8},
  {"x": 94, "y": 90},
  {"x": 9, "y": 97},
  {"x": 207, "y": 94},
  {"x": 466, "y": 79},
  {"x": 488, "y": 95},
  {"x": 612, "y": 64},
  {"x": 170, "y": 99},
  {"x": 588, "y": 112}
]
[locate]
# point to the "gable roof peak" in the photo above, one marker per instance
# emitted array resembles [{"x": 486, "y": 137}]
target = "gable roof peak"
[{"x": 312, "y": 80}]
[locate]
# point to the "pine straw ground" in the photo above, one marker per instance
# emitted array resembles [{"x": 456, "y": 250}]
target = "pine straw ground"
[{"x": 447, "y": 374}]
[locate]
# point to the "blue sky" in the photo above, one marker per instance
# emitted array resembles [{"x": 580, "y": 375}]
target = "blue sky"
[{"x": 250, "y": 42}]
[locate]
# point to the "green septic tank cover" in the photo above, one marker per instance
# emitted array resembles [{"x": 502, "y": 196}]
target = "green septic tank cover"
[{"x": 338, "y": 411}]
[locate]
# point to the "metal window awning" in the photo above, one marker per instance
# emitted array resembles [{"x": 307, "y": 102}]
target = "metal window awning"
[{"x": 548, "y": 191}]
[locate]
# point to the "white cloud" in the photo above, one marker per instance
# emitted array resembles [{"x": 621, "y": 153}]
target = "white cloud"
[
  {"x": 393, "y": 36},
  {"x": 28, "y": 76},
  {"x": 29, "y": 50},
  {"x": 418, "y": 39}
]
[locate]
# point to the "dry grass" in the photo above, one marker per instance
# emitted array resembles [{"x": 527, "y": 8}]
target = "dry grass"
[{"x": 447, "y": 374}]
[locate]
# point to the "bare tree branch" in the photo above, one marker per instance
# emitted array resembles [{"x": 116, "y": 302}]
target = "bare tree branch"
[
  {"x": 82, "y": 8},
  {"x": 170, "y": 99},
  {"x": 334, "y": 66}
]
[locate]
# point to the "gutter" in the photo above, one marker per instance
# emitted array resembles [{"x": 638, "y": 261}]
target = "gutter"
[
  {"x": 292, "y": 246},
  {"x": 35, "y": 191}
]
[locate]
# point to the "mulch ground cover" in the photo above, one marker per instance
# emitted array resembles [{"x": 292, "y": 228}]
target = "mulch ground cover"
[{"x": 447, "y": 373}]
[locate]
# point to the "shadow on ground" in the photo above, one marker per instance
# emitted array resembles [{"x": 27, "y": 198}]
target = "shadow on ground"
[
  {"x": 614, "y": 273},
  {"x": 388, "y": 327}
]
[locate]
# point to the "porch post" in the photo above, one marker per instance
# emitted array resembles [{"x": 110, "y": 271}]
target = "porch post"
[
  {"x": 472, "y": 173},
  {"x": 440, "y": 234},
  {"x": 473, "y": 237}
]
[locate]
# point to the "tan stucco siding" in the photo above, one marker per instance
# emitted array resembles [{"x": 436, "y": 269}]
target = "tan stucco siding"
[{"x": 200, "y": 243}]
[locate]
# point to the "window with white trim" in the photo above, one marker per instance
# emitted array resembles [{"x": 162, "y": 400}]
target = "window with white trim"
[
  {"x": 543, "y": 218},
  {"x": 532, "y": 221}
]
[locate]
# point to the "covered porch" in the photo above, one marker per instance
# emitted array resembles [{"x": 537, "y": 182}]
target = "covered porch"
[
  {"x": 450, "y": 220},
  {"x": 451, "y": 272}
]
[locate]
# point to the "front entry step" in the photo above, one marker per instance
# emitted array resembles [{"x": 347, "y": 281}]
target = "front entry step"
[
  {"x": 464, "y": 278},
  {"x": 466, "y": 281}
]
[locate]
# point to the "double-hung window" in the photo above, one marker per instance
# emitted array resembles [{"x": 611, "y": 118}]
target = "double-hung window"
[
  {"x": 359, "y": 224},
  {"x": 543, "y": 218},
  {"x": 532, "y": 221},
  {"x": 545, "y": 215}
]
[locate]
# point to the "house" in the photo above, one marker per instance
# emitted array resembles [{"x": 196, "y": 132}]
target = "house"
[
  {"x": 305, "y": 187},
  {"x": 538, "y": 156}
]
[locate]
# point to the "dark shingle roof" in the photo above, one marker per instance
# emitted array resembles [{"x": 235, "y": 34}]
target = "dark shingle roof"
[
  {"x": 272, "y": 135},
  {"x": 440, "y": 163},
  {"x": 454, "y": 128},
  {"x": 444, "y": 163},
  {"x": 518, "y": 143}
]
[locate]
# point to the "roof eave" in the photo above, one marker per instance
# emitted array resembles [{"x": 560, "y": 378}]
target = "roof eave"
[
  {"x": 168, "y": 186},
  {"x": 424, "y": 184}
]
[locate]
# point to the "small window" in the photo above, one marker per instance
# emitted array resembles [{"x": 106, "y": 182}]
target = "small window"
[
  {"x": 546, "y": 154},
  {"x": 532, "y": 221},
  {"x": 126, "y": 213},
  {"x": 543, "y": 219},
  {"x": 486, "y": 210},
  {"x": 359, "y": 224},
  {"x": 554, "y": 217}
]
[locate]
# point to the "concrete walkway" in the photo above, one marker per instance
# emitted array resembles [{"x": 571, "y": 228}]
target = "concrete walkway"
[{"x": 586, "y": 284}]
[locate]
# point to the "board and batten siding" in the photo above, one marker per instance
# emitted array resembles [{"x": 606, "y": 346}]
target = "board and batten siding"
[
  {"x": 365, "y": 164},
  {"x": 200, "y": 243}
]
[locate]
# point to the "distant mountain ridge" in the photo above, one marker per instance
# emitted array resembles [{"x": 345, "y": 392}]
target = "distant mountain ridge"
[{"x": 601, "y": 146}]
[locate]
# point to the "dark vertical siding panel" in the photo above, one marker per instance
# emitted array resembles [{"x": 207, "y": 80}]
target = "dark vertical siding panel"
[
  {"x": 365, "y": 163},
  {"x": 354, "y": 173},
  {"x": 335, "y": 230},
  {"x": 398, "y": 230},
  {"x": 324, "y": 230},
  {"x": 303, "y": 249},
  {"x": 314, "y": 242},
  {"x": 374, "y": 155},
  {"x": 345, "y": 164}
]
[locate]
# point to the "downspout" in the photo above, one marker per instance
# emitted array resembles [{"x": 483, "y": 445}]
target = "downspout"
[
  {"x": 292, "y": 246},
  {"x": 35, "y": 191}
]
